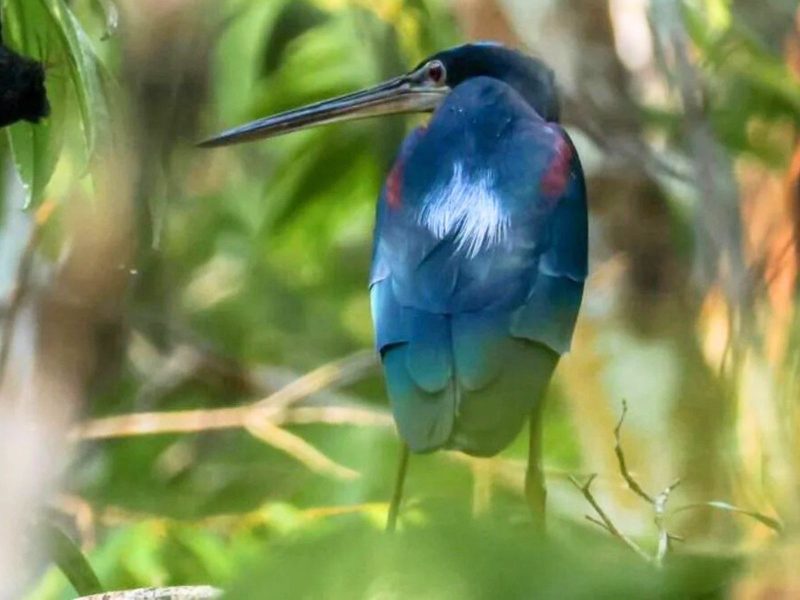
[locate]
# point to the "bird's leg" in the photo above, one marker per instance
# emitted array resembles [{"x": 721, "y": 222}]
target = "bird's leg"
[
  {"x": 397, "y": 496},
  {"x": 534, "y": 476},
  {"x": 482, "y": 486}
]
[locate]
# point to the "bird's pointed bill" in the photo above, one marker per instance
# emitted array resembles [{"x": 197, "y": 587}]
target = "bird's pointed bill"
[{"x": 399, "y": 95}]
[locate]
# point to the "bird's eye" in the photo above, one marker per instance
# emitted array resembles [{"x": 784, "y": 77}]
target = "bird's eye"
[{"x": 436, "y": 72}]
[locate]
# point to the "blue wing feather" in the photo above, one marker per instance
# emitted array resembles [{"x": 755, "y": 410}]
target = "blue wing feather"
[
  {"x": 549, "y": 314},
  {"x": 488, "y": 419},
  {"x": 430, "y": 359},
  {"x": 480, "y": 341},
  {"x": 425, "y": 420},
  {"x": 568, "y": 253},
  {"x": 470, "y": 331}
]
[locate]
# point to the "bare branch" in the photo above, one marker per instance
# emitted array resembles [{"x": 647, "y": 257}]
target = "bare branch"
[
  {"x": 195, "y": 592},
  {"x": 607, "y": 523},
  {"x": 203, "y": 420},
  {"x": 338, "y": 415},
  {"x": 660, "y": 507},
  {"x": 597, "y": 522},
  {"x": 659, "y": 502},
  {"x": 155, "y": 423},
  {"x": 299, "y": 449},
  {"x": 261, "y": 419},
  {"x": 114, "y": 516},
  {"x": 623, "y": 467},
  {"x": 339, "y": 372}
]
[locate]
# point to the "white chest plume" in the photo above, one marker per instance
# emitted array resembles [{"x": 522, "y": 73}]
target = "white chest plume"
[{"x": 467, "y": 208}]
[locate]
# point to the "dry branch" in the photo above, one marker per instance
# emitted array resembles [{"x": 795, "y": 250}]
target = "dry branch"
[
  {"x": 299, "y": 449},
  {"x": 262, "y": 419},
  {"x": 211, "y": 419},
  {"x": 339, "y": 372},
  {"x": 623, "y": 466},
  {"x": 658, "y": 503},
  {"x": 197, "y": 592},
  {"x": 605, "y": 521}
]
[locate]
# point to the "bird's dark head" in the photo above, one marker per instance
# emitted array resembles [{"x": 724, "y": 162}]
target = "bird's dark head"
[
  {"x": 421, "y": 90},
  {"x": 529, "y": 76}
]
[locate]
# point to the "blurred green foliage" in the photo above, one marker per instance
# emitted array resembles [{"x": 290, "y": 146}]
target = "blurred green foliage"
[{"x": 259, "y": 267}]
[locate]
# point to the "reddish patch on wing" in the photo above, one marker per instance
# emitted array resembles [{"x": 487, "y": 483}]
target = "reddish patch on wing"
[
  {"x": 394, "y": 185},
  {"x": 556, "y": 177}
]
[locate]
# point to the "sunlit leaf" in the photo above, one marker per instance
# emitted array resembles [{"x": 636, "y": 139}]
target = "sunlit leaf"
[
  {"x": 35, "y": 148},
  {"x": 48, "y": 31}
]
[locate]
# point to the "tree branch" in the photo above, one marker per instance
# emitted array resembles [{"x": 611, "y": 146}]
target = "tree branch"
[
  {"x": 623, "y": 467},
  {"x": 605, "y": 520},
  {"x": 660, "y": 507},
  {"x": 659, "y": 502},
  {"x": 262, "y": 419},
  {"x": 197, "y": 592},
  {"x": 299, "y": 449}
]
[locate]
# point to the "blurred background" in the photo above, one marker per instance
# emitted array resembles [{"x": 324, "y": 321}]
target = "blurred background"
[{"x": 187, "y": 386}]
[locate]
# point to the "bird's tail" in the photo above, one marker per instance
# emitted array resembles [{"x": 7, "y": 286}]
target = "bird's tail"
[{"x": 464, "y": 382}]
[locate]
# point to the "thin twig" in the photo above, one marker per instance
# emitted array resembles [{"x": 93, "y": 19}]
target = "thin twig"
[
  {"x": 212, "y": 419},
  {"x": 158, "y": 423},
  {"x": 623, "y": 467},
  {"x": 338, "y": 415},
  {"x": 658, "y": 503},
  {"x": 607, "y": 523},
  {"x": 660, "y": 507},
  {"x": 339, "y": 372},
  {"x": 114, "y": 516},
  {"x": 195, "y": 592},
  {"x": 299, "y": 449},
  {"x": 262, "y": 418},
  {"x": 597, "y": 522}
]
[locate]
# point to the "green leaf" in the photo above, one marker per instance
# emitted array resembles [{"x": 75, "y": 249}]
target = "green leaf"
[
  {"x": 71, "y": 561},
  {"x": 35, "y": 153},
  {"x": 85, "y": 70},
  {"x": 35, "y": 147},
  {"x": 46, "y": 30}
]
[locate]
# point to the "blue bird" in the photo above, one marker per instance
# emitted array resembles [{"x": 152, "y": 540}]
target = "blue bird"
[{"x": 480, "y": 248}]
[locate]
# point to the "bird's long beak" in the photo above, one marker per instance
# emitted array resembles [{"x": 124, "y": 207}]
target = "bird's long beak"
[{"x": 399, "y": 95}]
